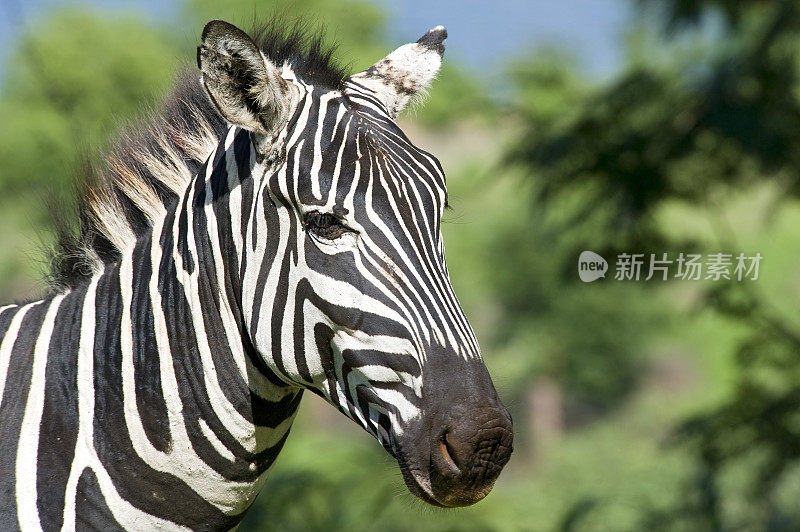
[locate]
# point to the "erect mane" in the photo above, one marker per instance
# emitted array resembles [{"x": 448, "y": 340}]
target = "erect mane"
[{"x": 129, "y": 187}]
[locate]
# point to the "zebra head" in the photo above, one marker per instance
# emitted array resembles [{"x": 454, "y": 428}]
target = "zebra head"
[{"x": 344, "y": 286}]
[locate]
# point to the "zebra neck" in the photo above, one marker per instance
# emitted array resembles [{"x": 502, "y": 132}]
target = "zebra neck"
[
  {"x": 127, "y": 394},
  {"x": 203, "y": 403}
]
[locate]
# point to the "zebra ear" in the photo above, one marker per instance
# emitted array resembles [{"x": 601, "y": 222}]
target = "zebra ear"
[
  {"x": 406, "y": 72},
  {"x": 244, "y": 86}
]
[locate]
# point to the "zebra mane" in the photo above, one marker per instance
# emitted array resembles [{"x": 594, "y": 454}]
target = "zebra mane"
[{"x": 126, "y": 190}]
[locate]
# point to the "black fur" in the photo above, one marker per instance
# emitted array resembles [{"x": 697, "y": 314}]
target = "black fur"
[
  {"x": 434, "y": 40},
  {"x": 303, "y": 49},
  {"x": 70, "y": 263}
]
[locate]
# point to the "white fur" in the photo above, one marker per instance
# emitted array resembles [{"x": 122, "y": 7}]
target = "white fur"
[{"x": 401, "y": 76}]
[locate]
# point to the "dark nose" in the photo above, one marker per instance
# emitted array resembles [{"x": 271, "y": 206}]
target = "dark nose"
[{"x": 468, "y": 455}]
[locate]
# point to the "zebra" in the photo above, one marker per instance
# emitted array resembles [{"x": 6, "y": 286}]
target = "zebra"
[{"x": 271, "y": 230}]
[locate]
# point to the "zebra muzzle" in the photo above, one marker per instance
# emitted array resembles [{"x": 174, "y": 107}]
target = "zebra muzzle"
[
  {"x": 465, "y": 457},
  {"x": 468, "y": 456}
]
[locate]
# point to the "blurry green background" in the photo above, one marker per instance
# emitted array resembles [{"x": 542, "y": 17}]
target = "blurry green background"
[{"x": 644, "y": 126}]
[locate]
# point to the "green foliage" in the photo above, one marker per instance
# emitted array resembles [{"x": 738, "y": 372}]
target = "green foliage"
[
  {"x": 589, "y": 338},
  {"x": 681, "y": 14},
  {"x": 455, "y": 96},
  {"x": 71, "y": 78},
  {"x": 695, "y": 131},
  {"x": 333, "y": 479},
  {"x": 548, "y": 86},
  {"x": 678, "y": 130}
]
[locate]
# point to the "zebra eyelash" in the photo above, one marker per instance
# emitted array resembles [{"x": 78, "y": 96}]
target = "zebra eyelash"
[{"x": 324, "y": 225}]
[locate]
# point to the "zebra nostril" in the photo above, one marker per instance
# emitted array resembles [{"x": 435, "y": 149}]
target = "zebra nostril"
[{"x": 447, "y": 453}]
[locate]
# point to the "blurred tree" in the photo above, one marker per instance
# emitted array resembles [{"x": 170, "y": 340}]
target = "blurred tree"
[
  {"x": 693, "y": 131},
  {"x": 71, "y": 77},
  {"x": 586, "y": 338}
]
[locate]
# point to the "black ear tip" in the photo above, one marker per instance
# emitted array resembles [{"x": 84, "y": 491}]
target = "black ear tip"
[
  {"x": 217, "y": 28},
  {"x": 434, "y": 39},
  {"x": 213, "y": 26}
]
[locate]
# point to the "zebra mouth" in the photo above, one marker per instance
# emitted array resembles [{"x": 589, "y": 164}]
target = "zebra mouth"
[
  {"x": 415, "y": 485},
  {"x": 419, "y": 484},
  {"x": 418, "y": 481}
]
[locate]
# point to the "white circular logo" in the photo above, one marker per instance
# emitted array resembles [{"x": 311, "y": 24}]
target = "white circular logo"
[{"x": 591, "y": 266}]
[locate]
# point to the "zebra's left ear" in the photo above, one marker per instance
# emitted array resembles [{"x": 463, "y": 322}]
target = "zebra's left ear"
[
  {"x": 405, "y": 73},
  {"x": 244, "y": 86}
]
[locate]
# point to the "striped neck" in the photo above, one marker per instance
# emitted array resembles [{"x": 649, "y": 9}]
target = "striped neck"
[{"x": 221, "y": 416}]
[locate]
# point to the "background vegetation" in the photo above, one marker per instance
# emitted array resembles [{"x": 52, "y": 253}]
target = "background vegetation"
[{"x": 668, "y": 405}]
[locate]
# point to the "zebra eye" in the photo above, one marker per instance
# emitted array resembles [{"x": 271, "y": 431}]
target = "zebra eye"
[{"x": 324, "y": 225}]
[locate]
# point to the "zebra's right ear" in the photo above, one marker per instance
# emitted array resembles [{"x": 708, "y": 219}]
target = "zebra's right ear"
[{"x": 244, "y": 86}]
